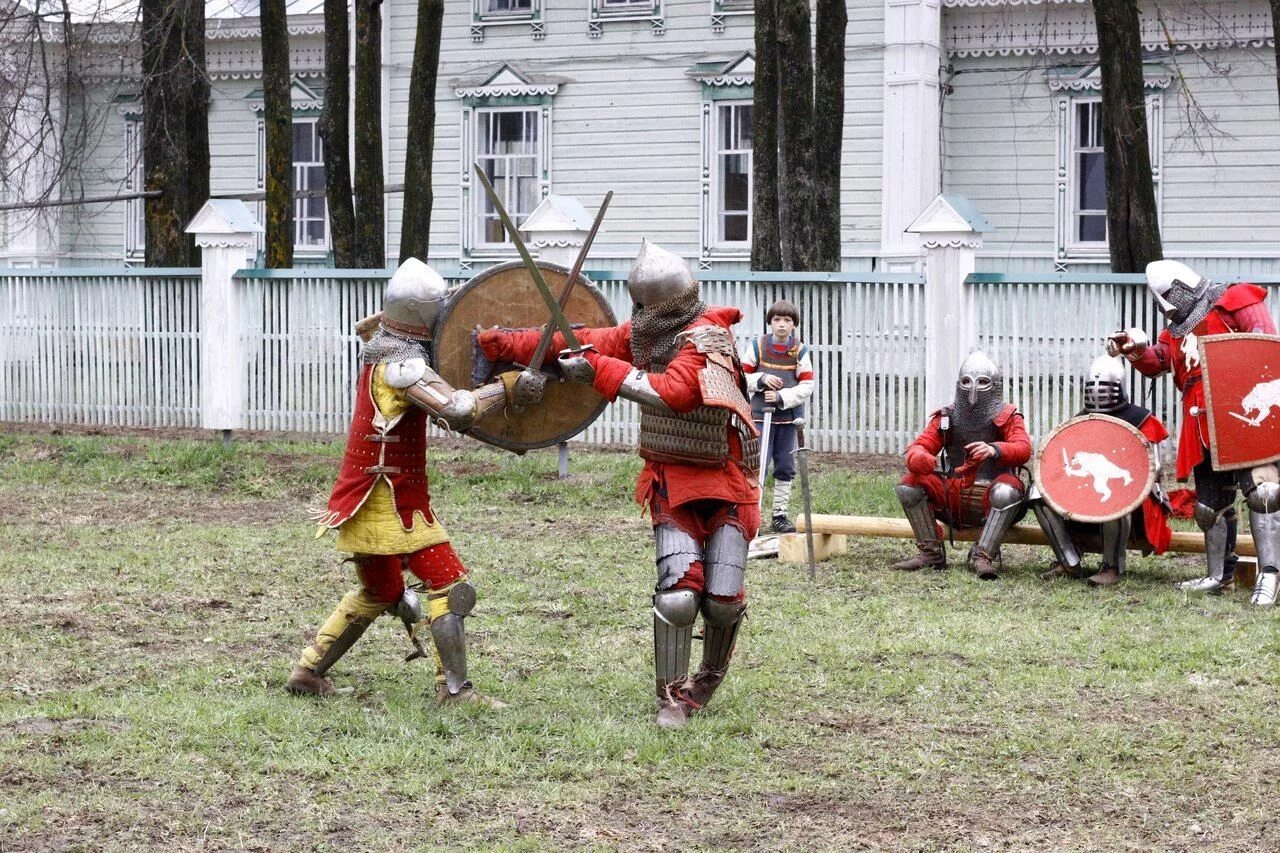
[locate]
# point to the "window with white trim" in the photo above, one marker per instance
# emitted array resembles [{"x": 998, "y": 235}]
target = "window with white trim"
[
  {"x": 310, "y": 214},
  {"x": 1089, "y": 176},
  {"x": 1080, "y": 219},
  {"x": 509, "y": 150},
  {"x": 731, "y": 182},
  {"x": 499, "y": 13},
  {"x": 135, "y": 221}
]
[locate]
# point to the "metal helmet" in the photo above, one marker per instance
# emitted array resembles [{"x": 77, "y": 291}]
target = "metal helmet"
[
  {"x": 1177, "y": 288},
  {"x": 980, "y": 379},
  {"x": 414, "y": 298},
  {"x": 1104, "y": 385},
  {"x": 658, "y": 276}
]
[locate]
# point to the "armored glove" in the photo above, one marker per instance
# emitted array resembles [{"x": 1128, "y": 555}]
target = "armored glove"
[
  {"x": 576, "y": 367},
  {"x": 523, "y": 387},
  {"x": 1131, "y": 343}
]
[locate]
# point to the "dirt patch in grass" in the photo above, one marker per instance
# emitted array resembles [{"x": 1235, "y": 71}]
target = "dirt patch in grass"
[{"x": 156, "y": 506}]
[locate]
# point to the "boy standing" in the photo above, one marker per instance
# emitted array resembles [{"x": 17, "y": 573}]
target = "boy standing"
[{"x": 780, "y": 376}]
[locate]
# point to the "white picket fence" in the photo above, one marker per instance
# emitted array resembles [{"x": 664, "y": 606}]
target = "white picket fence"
[
  {"x": 100, "y": 347},
  {"x": 122, "y": 347}
]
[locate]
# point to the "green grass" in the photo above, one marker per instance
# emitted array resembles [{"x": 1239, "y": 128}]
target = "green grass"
[{"x": 156, "y": 591}]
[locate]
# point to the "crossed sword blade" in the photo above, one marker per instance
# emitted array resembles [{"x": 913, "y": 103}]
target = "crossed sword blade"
[{"x": 557, "y": 319}]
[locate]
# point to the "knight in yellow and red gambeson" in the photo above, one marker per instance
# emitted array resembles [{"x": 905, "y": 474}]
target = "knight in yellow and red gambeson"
[{"x": 381, "y": 502}]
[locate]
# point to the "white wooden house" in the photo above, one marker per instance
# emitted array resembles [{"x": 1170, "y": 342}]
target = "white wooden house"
[{"x": 995, "y": 100}]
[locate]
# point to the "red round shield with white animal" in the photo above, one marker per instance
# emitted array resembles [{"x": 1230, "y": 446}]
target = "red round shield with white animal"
[{"x": 1094, "y": 468}]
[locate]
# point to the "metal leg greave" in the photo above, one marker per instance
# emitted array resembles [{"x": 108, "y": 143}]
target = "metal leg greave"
[
  {"x": 674, "y": 612},
  {"x": 1055, "y": 529},
  {"x": 1216, "y": 535},
  {"x": 919, "y": 514},
  {"x": 721, "y": 620},
  {"x": 451, "y": 645},
  {"x": 1265, "y": 527},
  {"x": 342, "y": 644},
  {"x": 1006, "y": 502},
  {"x": 1115, "y": 542}
]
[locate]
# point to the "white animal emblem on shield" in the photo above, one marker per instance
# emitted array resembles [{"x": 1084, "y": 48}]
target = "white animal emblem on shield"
[
  {"x": 1097, "y": 466},
  {"x": 1259, "y": 402}
]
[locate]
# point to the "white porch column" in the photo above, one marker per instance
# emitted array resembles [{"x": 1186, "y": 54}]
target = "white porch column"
[
  {"x": 557, "y": 229},
  {"x": 950, "y": 232},
  {"x": 224, "y": 230},
  {"x": 911, "y": 170}
]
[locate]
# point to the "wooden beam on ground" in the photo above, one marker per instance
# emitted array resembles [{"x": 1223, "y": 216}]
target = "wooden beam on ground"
[{"x": 1019, "y": 534}]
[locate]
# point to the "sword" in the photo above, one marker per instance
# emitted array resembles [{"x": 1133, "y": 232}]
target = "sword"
[
  {"x": 557, "y": 316},
  {"x": 802, "y": 467},
  {"x": 764, "y": 449},
  {"x": 544, "y": 343}
]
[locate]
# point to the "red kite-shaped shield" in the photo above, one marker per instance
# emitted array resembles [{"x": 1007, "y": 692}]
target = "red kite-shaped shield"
[
  {"x": 1242, "y": 394},
  {"x": 1094, "y": 468}
]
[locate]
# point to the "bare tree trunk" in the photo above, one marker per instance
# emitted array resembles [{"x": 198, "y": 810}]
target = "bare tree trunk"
[
  {"x": 335, "y": 132},
  {"x": 415, "y": 229},
  {"x": 1275, "y": 28},
  {"x": 795, "y": 133},
  {"x": 371, "y": 250},
  {"x": 278, "y": 124},
  {"x": 198, "y": 158},
  {"x": 766, "y": 249},
  {"x": 828, "y": 108},
  {"x": 167, "y": 93},
  {"x": 1133, "y": 229}
]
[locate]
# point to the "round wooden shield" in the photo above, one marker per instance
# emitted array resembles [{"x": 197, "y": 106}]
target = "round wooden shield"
[
  {"x": 1094, "y": 468},
  {"x": 506, "y": 296}
]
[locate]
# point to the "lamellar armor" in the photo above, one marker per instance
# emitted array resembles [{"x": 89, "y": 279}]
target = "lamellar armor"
[{"x": 699, "y": 437}]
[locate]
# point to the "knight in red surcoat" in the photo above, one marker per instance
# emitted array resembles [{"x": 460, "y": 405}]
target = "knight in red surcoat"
[
  {"x": 963, "y": 468},
  {"x": 380, "y": 505},
  {"x": 1196, "y": 306},
  {"x": 676, "y": 357}
]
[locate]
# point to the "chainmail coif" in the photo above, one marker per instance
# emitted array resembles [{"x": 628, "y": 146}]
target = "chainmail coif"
[
  {"x": 972, "y": 419},
  {"x": 1189, "y": 309},
  {"x": 654, "y": 327},
  {"x": 387, "y": 346}
]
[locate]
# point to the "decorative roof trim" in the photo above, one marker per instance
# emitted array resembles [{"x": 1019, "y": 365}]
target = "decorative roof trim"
[{"x": 500, "y": 91}]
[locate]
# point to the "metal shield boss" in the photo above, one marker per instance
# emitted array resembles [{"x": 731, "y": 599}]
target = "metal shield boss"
[
  {"x": 506, "y": 296},
  {"x": 1094, "y": 468},
  {"x": 1242, "y": 395}
]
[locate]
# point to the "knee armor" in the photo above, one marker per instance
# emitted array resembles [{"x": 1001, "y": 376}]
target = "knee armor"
[
  {"x": 910, "y": 496},
  {"x": 1264, "y": 497},
  {"x": 674, "y": 612},
  {"x": 1004, "y": 496}
]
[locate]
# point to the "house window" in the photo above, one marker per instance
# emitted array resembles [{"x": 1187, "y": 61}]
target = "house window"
[
  {"x": 507, "y": 147},
  {"x": 1080, "y": 208},
  {"x": 500, "y": 13},
  {"x": 732, "y": 181},
  {"x": 1089, "y": 185},
  {"x": 310, "y": 213},
  {"x": 508, "y": 7},
  {"x": 135, "y": 227}
]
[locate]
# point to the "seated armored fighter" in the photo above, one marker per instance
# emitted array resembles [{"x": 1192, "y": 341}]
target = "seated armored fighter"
[
  {"x": 962, "y": 468},
  {"x": 676, "y": 358},
  {"x": 1195, "y": 306},
  {"x": 380, "y": 504},
  {"x": 1104, "y": 394}
]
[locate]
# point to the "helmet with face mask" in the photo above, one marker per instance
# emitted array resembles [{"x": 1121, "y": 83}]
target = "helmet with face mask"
[
  {"x": 1104, "y": 386},
  {"x": 1185, "y": 297},
  {"x": 980, "y": 381},
  {"x": 414, "y": 299}
]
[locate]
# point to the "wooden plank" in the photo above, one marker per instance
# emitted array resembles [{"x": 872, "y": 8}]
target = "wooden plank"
[{"x": 1021, "y": 534}]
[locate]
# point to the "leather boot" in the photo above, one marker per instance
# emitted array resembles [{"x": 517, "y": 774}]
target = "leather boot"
[
  {"x": 304, "y": 682},
  {"x": 932, "y": 556},
  {"x": 1108, "y": 576},
  {"x": 673, "y": 710},
  {"x": 703, "y": 684},
  {"x": 1058, "y": 570},
  {"x": 984, "y": 565}
]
